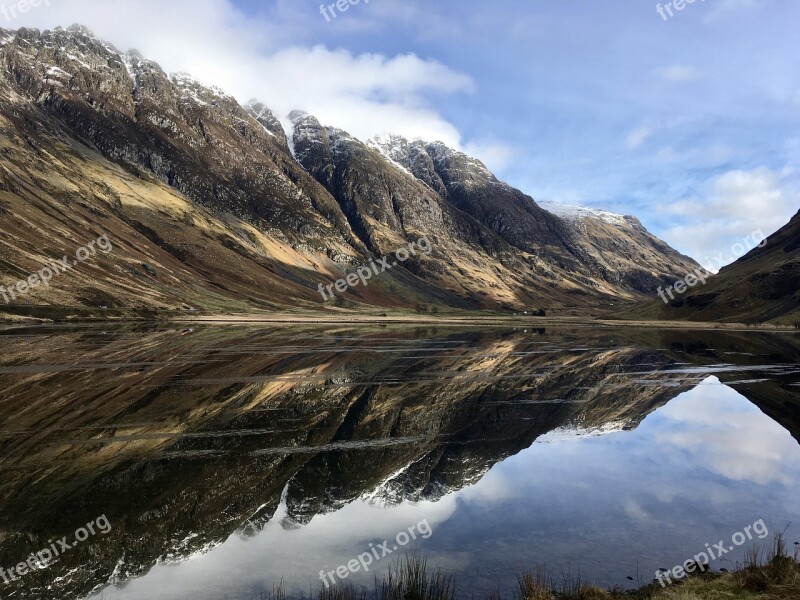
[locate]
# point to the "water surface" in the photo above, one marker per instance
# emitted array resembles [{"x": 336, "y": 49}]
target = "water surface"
[{"x": 230, "y": 458}]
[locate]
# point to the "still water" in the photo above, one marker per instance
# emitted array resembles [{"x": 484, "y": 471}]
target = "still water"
[{"x": 229, "y": 459}]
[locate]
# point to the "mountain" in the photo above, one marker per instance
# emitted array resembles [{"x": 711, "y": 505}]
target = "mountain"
[
  {"x": 620, "y": 247},
  {"x": 761, "y": 287},
  {"x": 619, "y": 253},
  {"x": 211, "y": 205}
]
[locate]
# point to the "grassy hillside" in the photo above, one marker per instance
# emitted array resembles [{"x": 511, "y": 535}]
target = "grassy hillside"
[{"x": 761, "y": 287}]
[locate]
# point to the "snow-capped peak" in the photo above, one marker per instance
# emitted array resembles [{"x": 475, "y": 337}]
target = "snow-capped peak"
[
  {"x": 78, "y": 29},
  {"x": 184, "y": 79},
  {"x": 389, "y": 143},
  {"x": 194, "y": 89},
  {"x": 296, "y": 116},
  {"x": 578, "y": 213},
  {"x": 258, "y": 108},
  {"x": 441, "y": 154},
  {"x": 393, "y": 148}
]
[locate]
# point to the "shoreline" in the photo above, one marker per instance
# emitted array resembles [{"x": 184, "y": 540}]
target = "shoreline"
[
  {"x": 487, "y": 320},
  {"x": 355, "y": 320},
  {"x": 771, "y": 573}
]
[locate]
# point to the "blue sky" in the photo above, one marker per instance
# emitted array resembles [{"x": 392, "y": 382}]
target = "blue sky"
[{"x": 689, "y": 123}]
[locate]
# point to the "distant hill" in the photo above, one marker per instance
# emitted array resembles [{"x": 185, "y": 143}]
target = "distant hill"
[{"x": 761, "y": 287}]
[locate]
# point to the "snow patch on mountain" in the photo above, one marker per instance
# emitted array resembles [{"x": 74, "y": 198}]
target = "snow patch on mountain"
[
  {"x": 128, "y": 60},
  {"x": 290, "y": 142},
  {"x": 259, "y": 113},
  {"x": 193, "y": 88},
  {"x": 393, "y": 148},
  {"x": 579, "y": 213},
  {"x": 442, "y": 155},
  {"x": 387, "y": 492},
  {"x": 571, "y": 433}
]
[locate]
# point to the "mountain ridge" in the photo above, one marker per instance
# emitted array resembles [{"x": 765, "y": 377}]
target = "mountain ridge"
[{"x": 243, "y": 215}]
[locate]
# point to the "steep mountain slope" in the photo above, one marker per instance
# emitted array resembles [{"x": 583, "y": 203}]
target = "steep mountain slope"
[
  {"x": 617, "y": 251},
  {"x": 761, "y": 287},
  {"x": 620, "y": 248},
  {"x": 466, "y": 183},
  {"x": 387, "y": 208},
  {"x": 188, "y": 204},
  {"x": 207, "y": 206}
]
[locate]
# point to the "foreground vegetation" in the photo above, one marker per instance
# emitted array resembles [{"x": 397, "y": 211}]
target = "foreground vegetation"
[{"x": 773, "y": 574}]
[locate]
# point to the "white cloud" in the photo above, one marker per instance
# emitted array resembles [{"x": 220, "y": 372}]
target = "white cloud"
[
  {"x": 259, "y": 561},
  {"x": 251, "y": 57},
  {"x": 639, "y": 136},
  {"x": 678, "y": 73},
  {"x": 732, "y": 206},
  {"x": 496, "y": 155},
  {"x": 635, "y": 511},
  {"x": 747, "y": 193},
  {"x": 729, "y": 436}
]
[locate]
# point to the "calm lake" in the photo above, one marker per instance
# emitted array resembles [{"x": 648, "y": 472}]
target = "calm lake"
[{"x": 226, "y": 459}]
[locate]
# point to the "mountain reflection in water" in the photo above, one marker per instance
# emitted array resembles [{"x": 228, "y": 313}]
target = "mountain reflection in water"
[{"x": 270, "y": 453}]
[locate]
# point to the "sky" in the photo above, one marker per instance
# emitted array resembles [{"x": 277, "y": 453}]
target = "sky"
[{"x": 690, "y": 122}]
